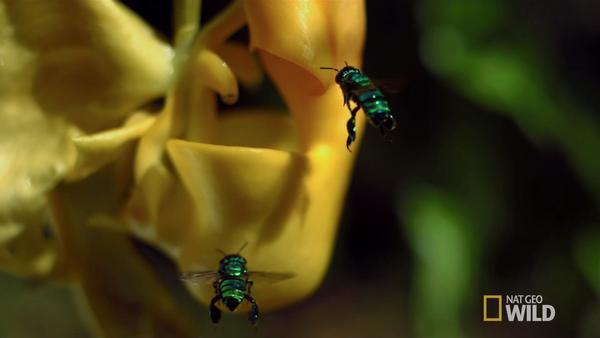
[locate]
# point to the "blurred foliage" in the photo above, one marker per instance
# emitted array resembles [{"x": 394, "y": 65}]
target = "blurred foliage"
[
  {"x": 483, "y": 49},
  {"x": 443, "y": 238},
  {"x": 587, "y": 254}
]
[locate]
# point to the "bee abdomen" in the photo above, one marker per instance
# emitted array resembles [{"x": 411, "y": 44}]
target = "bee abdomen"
[
  {"x": 373, "y": 102},
  {"x": 234, "y": 288}
]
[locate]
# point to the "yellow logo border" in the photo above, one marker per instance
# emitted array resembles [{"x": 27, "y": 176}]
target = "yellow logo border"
[{"x": 492, "y": 319}]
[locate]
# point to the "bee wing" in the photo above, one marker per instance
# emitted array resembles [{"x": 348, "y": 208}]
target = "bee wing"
[
  {"x": 199, "y": 276},
  {"x": 269, "y": 277}
]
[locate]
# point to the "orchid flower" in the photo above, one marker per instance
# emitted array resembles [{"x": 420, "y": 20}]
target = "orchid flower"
[{"x": 86, "y": 165}]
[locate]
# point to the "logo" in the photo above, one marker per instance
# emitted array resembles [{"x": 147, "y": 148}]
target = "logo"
[
  {"x": 496, "y": 309},
  {"x": 517, "y": 308}
]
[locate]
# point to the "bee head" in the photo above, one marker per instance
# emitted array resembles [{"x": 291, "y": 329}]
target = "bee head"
[
  {"x": 345, "y": 73},
  {"x": 233, "y": 259}
]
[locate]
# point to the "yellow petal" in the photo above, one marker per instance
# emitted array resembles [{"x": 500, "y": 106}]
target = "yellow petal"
[
  {"x": 309, "y": 33},
  {"x": 9, "y": 231},
  {"x": 216, "y": 75},
  {"x": 294, "y": 39},
  {"x": 35, "y": 154},
  {"x": 121, "y": 289},
  {"x": 26, "y": 250},
  {"x": 272, "y": 199},
  {"x": 92, "y": 59},
  {"x": 96, "y": 150},
  {"x": 64, "y": 62},
  {"x": 225, "y": 198},
  {"x": 247, "y": 128},
  {"x": 242, "y": 63}
]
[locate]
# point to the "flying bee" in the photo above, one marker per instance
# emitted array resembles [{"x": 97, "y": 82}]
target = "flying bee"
[
  {"x": 357, "y": 87},
  {"x": 232, "y": 284}
]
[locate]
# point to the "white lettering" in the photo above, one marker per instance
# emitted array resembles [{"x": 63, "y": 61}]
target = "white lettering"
[
  {"x": 514, "y": 299},
  {"x": 535, "y": 314},
  {"x": 515, "y": 311},
  {"x": 534, "y": 299},
  {"x": 548, "y": 316}
]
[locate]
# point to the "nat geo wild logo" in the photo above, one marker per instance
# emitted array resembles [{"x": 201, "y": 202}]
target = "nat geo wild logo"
[{"x": 517, "y": 308}]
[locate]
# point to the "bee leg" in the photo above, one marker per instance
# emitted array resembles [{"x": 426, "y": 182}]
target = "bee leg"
[
  {"x": 390, "y": 123},
  {"x": 249, "y": 284},
  {"x": 351, "y": 127},
  {"x": 347, "y": 101},
  {"x": 213, "y": 310},
  {"x": 253, "y": 314}
]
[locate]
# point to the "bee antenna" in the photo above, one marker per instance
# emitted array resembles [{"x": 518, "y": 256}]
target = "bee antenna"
[
  {"x": 346, "y": 63},
  {"x": 242, "y": 248},
  {"x": 221, "y": 252},
  {"x": 337, "y": 70}
]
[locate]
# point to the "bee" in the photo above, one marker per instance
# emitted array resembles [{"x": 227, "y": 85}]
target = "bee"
[
  {"x": 232, "y": 284},
  {"x": 357, "y": 87}
]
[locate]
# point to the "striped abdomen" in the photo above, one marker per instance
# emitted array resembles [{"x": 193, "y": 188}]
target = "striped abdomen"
[
  {"x": 374, "y": 105},
  {"x": 232, "y": 291}
]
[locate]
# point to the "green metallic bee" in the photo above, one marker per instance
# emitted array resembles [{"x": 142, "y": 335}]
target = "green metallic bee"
[
  {"x": 357, "y": 87},
  {"x": 232, "y": 284}
]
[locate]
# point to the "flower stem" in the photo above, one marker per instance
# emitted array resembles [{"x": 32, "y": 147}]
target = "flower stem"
[{"x": 186, "y": 20}]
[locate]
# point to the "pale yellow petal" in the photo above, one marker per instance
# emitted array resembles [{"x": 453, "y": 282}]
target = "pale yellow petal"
[
  {"x": 243, "y": 64},
  {"x": 35, "y": 153},
  {"x": 92, "y": 61},
  {"x": 216, "y": 75},
  {"x": 96, "y": 150}
]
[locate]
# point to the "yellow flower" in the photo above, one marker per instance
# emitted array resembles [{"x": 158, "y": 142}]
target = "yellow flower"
[
  {"x": 197, "y": 180},
  {"x": 68, "y": 74}
]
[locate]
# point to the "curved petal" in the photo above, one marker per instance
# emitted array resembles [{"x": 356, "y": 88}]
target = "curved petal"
[
  {"x": 310, "y": 34},
  {"x": 92, "y": 63},
  {"x": 35, "y": 154},
  {"x": 96, "y": 150},
  {"x": 294, "y": 39},
  {"x": 67, "y": 67},
  {"x": 272, "y": 199},
  {"x": 242, "y": 63}
]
